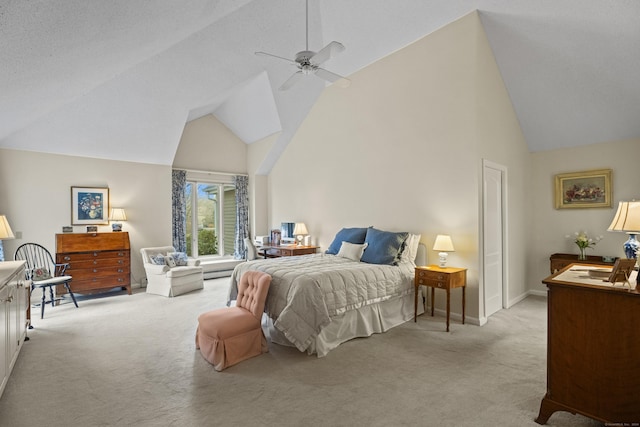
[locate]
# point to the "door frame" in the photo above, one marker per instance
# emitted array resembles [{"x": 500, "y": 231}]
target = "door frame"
[{"x": 505, "y": 246}]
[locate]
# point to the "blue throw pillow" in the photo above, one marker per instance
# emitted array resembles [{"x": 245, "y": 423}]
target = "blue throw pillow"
[
  {"x": 179, "y": 257},
  {"x": 383, "y": 247},
  {"x": 352, "y": 235},
  {"x": 157, "y": 259}
]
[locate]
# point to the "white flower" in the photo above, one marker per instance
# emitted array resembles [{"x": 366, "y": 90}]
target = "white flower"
[{"x": 584, "y": 241}]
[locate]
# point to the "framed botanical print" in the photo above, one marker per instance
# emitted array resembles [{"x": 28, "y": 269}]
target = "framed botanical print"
[
  {"x": 588, "y": 189},
  {"x": 89, "y": 205}
]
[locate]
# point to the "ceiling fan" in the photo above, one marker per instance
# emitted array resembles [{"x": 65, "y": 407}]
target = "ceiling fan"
[{"x": 308, "y": 62}]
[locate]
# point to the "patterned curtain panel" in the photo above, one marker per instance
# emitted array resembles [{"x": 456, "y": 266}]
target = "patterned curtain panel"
[
  {"x": 242, "y": 215},
  {"x": 179, "y": 210}
]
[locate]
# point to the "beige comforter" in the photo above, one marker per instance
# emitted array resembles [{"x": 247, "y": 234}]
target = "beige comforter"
[{"x": 306, "y": 291}]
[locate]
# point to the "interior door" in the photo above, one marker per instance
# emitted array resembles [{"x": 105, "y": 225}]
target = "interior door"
[{"x": 493, "y": 228}]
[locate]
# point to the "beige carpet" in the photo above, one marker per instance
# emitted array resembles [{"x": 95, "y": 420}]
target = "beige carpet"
[{"x": 127, "y": 360}]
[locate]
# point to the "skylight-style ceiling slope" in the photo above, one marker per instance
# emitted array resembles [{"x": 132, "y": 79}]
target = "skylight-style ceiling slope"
[{"x": 120, "y": 79}]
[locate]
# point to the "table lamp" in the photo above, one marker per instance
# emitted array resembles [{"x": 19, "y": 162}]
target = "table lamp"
[
  {"x": 300, "y": 230},
  {"x": 443, "y": 244},
  {"x": 627, "y": 219},
  {"x": 5, "y": 234},
  {"x": 117, "y": 214}
]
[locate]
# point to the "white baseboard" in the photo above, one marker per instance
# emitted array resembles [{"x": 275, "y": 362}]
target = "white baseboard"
[
  {"x": 217, "y": 274},
  {"x": 538, "y": 293}
]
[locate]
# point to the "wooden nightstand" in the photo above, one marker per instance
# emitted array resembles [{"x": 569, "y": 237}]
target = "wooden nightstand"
[{"x": 446, "y": 278}]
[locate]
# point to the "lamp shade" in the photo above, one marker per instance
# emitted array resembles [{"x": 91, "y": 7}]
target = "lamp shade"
[
  {"x": 443, "y": 243},
  {"x": 300, "y": 229},
  {"x": 117, "y": 214},
  {"x": 627, "y": 218},
  {"x": 5, "y": 229}
]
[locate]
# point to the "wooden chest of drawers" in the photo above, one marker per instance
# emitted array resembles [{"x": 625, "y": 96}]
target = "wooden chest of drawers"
[{"x": 97, "y": 261}]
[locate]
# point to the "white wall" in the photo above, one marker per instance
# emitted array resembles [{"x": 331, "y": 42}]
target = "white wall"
[
  {"x": 258, "y": 186},
  {"x": 401, "y": 149},
  {"x": 207, "y": 144},
  {"x": 501, "y": 141},
  {"x": 550, "y": 225},
  {"x": 35, "y": 194}
]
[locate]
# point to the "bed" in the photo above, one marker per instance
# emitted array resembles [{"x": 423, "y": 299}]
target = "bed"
[{"x": 316, "y": 302}]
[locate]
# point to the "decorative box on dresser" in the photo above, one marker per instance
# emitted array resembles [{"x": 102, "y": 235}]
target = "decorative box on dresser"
[
  {"x": 14, "y": 304},
  {"x": 97, "y": 261}
]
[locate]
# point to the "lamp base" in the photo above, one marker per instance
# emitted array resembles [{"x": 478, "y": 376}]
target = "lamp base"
[
  {"x": 631, "y": 246},
  {"x": 443, "y": 259},
  {"x": 299, "y": 239},
  {"x": 116, "y": 227}
]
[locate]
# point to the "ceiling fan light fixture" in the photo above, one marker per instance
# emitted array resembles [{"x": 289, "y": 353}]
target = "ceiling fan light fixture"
[{"x": 308, "y": 62}]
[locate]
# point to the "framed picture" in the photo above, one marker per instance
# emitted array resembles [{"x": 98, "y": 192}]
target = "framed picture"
[
  {"x": 622, "y": 270},
  {"x": 89, "y": 206},
  {"x": 588, "y": 189}
]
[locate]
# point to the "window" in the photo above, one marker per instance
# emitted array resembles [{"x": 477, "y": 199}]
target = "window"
[{"x": 211, "y": 218}]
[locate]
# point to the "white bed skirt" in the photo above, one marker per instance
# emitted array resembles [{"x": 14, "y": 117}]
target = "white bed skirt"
[{"x": 365, "y": 321}]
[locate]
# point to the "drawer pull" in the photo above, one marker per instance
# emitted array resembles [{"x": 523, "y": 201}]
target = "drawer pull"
[
  {"x": 95, "y": 270},
  {"x": 95, "y": 262},
  {"x": 120, "y": 261},
  {"x": 120, "y": 270},
  {"x": 95, "y": 254},
  {"x": 440, "y": 277},
  {"x": 120, "y": 279},
  {"x": 439, "y": 284},
  {"x": 67, "y": 258}
]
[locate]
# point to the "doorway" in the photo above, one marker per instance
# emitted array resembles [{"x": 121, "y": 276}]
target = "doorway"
[{"x": 494, "y": 178}]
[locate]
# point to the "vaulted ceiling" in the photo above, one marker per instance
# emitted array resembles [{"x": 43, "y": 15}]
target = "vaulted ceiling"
[{"x": 120, "y": 79}]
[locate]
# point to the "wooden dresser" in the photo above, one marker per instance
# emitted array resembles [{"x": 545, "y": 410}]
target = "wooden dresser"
[
  {"x": 592, "y": 350},
  {"x": 97, "y": 261}
]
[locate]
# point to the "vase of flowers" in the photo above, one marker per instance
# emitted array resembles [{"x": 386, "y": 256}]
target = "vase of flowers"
[{"x": 584, "y": 242}]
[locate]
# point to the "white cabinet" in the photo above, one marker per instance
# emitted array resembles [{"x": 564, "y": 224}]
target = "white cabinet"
[
  {"x": 14, "y": 303},
  {"x": 4, "y": 335}
]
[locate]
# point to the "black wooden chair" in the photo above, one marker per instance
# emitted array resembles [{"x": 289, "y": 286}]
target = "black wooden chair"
[{"x": 43, "y": 272}]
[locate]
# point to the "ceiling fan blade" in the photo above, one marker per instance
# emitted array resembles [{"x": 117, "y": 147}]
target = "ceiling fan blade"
[
  {"x": 332, "y": 77},
  {"x": 276, "y": 56},
  {"x": 291, "y": 81},
  {"x": 327, "y": 52}
]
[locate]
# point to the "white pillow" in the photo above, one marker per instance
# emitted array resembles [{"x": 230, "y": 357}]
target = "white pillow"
[
  {"x": 352, "y": 250},
  {"x": 411, "y": 248},
  {"x": 252, "y": 253}
]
